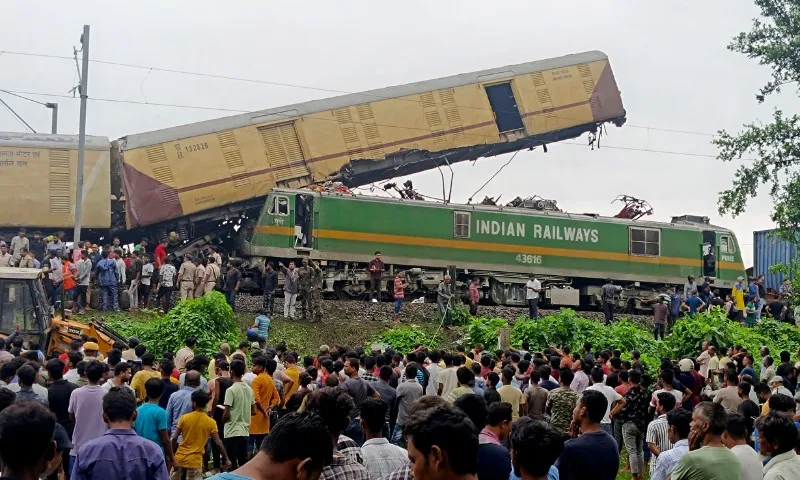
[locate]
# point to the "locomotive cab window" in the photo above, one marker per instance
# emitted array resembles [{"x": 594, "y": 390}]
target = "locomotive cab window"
[
  {"x": 461, "y": 224},
  {"x": 280, "y": 206},
  {"x": 726, "y": 244},
  {"x": 645, "y": 241}
]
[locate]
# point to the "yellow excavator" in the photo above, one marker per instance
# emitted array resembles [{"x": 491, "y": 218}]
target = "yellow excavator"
[{"x": 24, "y": 309}]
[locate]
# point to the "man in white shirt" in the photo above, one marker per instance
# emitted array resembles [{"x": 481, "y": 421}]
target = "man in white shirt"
[
  {"x": 433, "y": 371},
  {"x": 735, "y": 438},
  {"x": 615, "y": 400},
  {"x": 777, "y": 436},
  {"x": 147, "y": 276},
  {"x": 447, "y": 379},
  {"x": 380, "y": 457},
  {"x": 532, "y": 290}
]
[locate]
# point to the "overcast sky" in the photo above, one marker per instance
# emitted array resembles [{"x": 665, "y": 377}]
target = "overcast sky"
[{"x": 669, "y": 59}]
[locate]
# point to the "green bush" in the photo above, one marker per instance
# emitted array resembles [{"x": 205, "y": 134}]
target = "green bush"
[
  {"x": 403, "y": 339},
  {"x": 209, "y": 319},
  {"x": 483, "y": 331},
  {"x": 566, "y": 327}
]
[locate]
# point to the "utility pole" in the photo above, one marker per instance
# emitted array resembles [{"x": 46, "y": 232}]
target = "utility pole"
[
  {"x": 81, "y": 133},
  {"x": 54, "y": 108}
]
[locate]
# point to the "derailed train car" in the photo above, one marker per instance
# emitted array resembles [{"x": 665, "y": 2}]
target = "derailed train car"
[
  {"x": 571, "y": 254},
  {"x": 184, "y": 182}
]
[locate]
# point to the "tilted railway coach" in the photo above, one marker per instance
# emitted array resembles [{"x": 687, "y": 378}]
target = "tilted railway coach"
[
  {"x": 571, "y": 254},
  {"x": 193, "y": 183}
]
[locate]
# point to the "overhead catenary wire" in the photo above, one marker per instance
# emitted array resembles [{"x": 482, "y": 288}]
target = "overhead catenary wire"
[
  {"x": 16, "y": 115},
  {"x": 151, "y": 68}
]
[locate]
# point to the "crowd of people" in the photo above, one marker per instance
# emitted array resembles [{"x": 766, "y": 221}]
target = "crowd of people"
[
  {"x": 346, "y": 413},
  {"x": 73, "y": 272}
]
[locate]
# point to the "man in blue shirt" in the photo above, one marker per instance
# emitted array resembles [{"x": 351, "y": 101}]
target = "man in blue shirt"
[
  {"x": 107, "y": 278},
  {"x": 674, "y": 307},
  {"x": 260, "y": 328},
  {"x": 180, "y": 402},
  {"x": 694, "y": 303},
  {"x": 120, "y": 453}
]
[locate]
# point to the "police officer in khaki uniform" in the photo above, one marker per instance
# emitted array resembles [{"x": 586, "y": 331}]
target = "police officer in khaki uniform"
[
  {"x": 186, "y": 276},
  {"x": 212, "y": 275},
  {"x": 199, "y": 277}
]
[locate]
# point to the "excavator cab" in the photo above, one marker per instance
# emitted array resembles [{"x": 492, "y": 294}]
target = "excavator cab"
[
  {"x": 23, "y": 306},
  {"x": 24, "y": 309}
]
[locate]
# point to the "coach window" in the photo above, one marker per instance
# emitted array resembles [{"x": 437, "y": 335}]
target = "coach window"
[
  {"x": 280, "y": 206},
  {"x": 726, "y": 245},
  {"x": 645, "y": 241},
  {"x": 461, "y": 224}
]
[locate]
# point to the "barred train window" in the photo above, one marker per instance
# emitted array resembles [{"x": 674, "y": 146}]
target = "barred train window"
[
  {"x": 645, "y": 241},
  {"x": 461, "y": 224}
]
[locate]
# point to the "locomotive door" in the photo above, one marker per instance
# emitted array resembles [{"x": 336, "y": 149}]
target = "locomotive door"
[
  {"x": 709, "y": 253},
  {"x": 303, "y": 222}
]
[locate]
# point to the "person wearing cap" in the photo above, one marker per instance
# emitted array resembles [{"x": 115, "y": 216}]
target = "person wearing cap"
[
  {"x": 91, "y": 350},
  {"x": 5, "y": 258},
  {"x": 186, "y": 276},
  {"x": 776, "y": 386}
]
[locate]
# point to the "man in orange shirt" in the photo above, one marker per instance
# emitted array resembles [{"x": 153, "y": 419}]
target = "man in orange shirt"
[
  {"x": 68, "y": 271},
  {"x": 266, "y": 397}
]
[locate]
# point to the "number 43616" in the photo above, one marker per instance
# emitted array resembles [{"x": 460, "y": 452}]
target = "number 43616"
[{"x": 532, "y": 259}]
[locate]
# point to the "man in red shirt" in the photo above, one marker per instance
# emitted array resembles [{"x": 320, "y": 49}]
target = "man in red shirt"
[
  {"x": 160, "y": 254},
  {"x": 474, "y": 296}
]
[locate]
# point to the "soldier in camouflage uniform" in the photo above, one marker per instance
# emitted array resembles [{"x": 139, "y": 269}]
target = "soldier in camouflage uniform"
[{"x": 310, "y": 281}]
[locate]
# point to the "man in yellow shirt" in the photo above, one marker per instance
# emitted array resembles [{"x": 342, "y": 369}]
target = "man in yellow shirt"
[
  {"x": 738, "y": 297},
  {"x": 196, "y": 428},
  {"x": 143, "y": 375},
  {"x": 292, "y": 372},
  {"x": 511, "y": 394}
]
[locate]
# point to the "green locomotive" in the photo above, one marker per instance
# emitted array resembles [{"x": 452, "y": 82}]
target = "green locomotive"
[{"x": 571, "y": 254}]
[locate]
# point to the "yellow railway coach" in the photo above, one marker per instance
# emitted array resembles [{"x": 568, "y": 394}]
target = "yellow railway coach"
[
  {"x": 193, "y": 170},
  {"x": 38, "y": 175}
]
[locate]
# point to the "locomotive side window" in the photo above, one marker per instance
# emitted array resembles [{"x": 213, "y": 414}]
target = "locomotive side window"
[
  {"x": 645, "y": 241},
  {"x": 726, "y": 245},
  {"x": 280, "y": 206},
  {"x": 461, "y": 224}
]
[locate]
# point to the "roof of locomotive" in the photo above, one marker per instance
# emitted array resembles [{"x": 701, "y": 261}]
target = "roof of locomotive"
[
  {"x": 499, "y": 208},
  {"x": 314, "y": 106}
]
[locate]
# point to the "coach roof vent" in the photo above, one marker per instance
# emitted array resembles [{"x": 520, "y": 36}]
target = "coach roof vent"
[{"x": 690, "y": 219}]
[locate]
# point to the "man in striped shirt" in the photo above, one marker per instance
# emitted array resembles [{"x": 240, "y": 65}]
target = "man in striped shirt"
[
  {"x": 657, "y": 436},
  {"x": 679, "y": 422}
]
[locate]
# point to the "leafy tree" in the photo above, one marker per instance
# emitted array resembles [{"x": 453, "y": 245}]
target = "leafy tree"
[{"x": 774, "y": 41}]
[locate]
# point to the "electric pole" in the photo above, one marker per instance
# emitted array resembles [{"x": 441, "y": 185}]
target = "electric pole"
[
  {"x": 54, "y": 108},
  {"x": 81, "y": 134}
]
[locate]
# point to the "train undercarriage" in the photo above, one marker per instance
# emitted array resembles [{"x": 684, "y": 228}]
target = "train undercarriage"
[{"x": 351, "y": 281}]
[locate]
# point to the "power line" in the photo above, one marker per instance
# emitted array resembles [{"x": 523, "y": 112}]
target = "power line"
[
  {"x": 134, "y": 102},
  {"x": 15, "y": 114},
  {"x": 150, "y": 68},
  {"x": 24, "y": 98}
]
